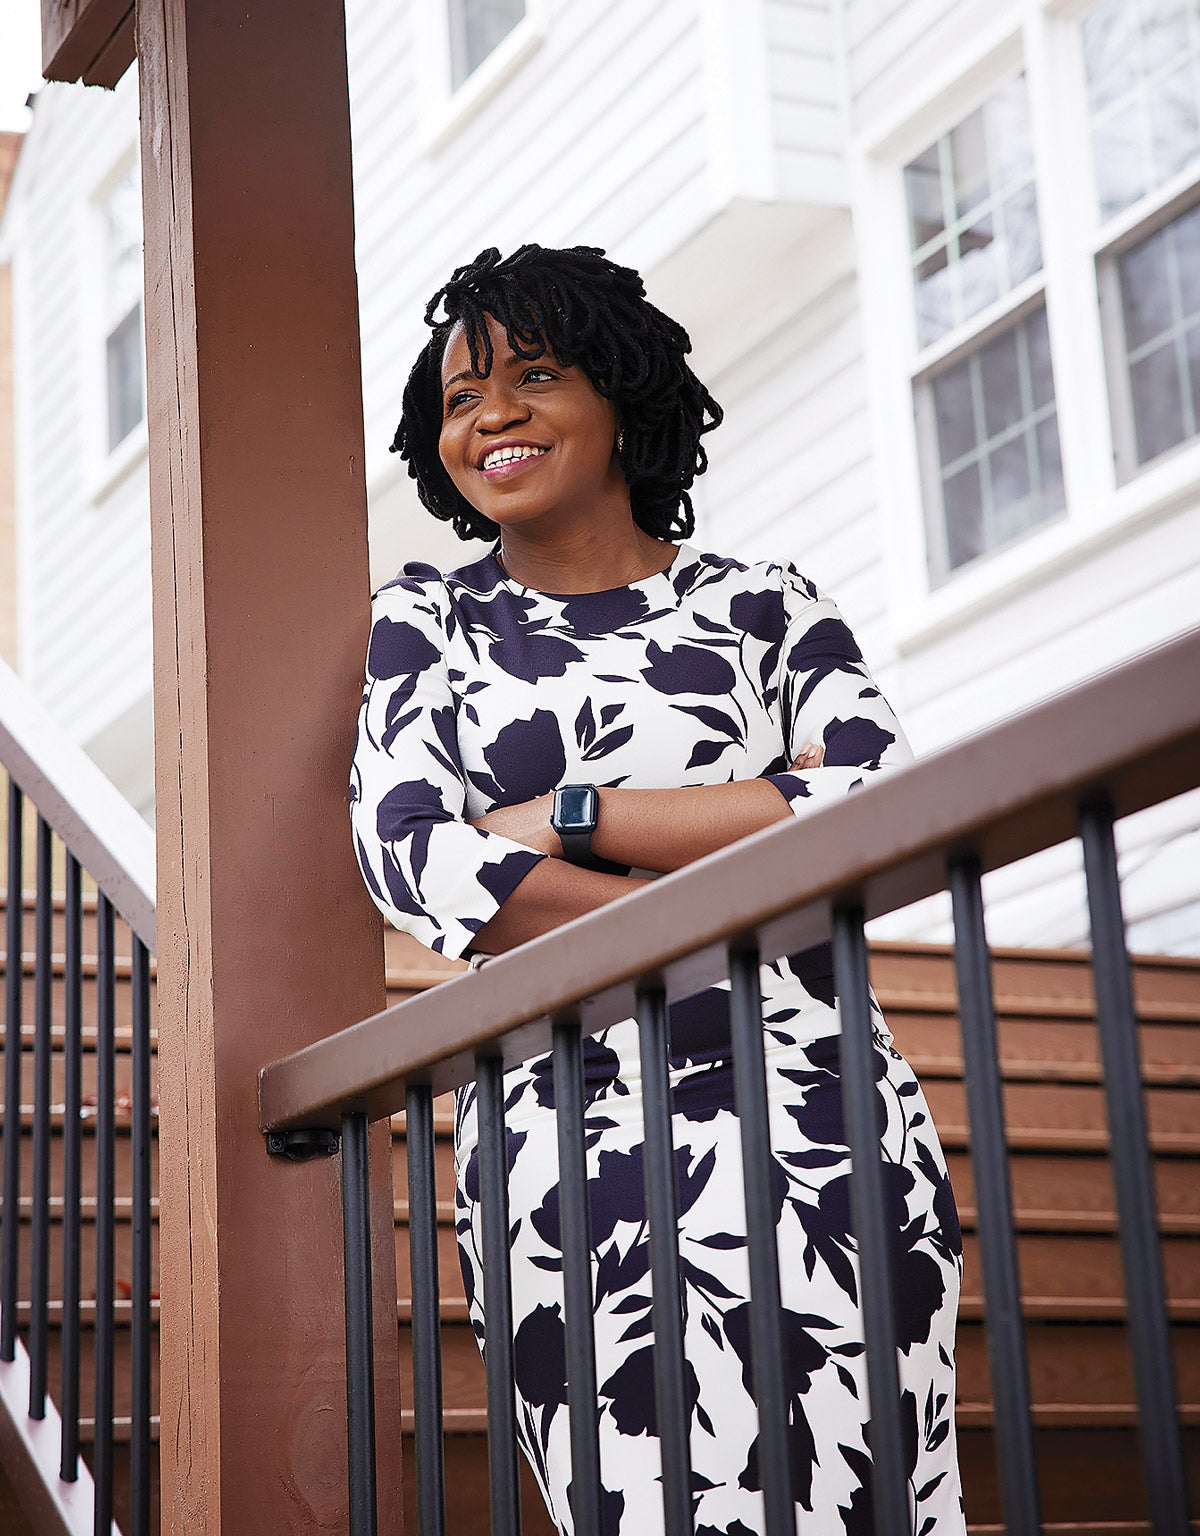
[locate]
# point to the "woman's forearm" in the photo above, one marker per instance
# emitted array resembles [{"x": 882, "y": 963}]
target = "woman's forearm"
[
  {"x": 552, "y": 893},
  {"x": 664, "y": 829}
]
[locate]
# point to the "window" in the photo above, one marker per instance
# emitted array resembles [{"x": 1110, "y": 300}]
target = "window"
[
  {"x": 477, "y": 27},
  {"x": 983, "y": 387},
  {"x": 122, "y": 306},
  {"x": 1142, "y": 61}
]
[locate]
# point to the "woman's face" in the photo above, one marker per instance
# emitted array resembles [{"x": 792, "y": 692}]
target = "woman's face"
[{"x": 560, "y": 429}]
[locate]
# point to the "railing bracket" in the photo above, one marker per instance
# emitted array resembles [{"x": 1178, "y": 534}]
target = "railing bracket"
[{"x": 303, "y": 1145}]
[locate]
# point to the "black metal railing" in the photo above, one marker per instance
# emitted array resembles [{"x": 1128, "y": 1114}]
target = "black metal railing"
[
  {"x": 937, "y": 825},
  {"x": 82, "y": 818}
]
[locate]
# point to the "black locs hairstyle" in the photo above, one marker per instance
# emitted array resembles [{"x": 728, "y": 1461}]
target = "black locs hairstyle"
[{"x": 590, "y": 312}]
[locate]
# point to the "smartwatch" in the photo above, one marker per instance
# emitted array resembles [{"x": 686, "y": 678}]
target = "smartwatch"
[{"x": 576, "y": 808}]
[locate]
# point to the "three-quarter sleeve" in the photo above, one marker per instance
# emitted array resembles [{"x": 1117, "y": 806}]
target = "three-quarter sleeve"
[
  {"x": 428, "y": 870},
  {"x": 827, "y": 695}
]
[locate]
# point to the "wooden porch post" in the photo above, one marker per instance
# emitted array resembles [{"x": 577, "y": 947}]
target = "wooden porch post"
[{"x": 267, "y": 938}]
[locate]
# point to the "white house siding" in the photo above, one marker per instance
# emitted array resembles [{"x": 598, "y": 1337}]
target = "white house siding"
[
  {"x": 82, "y": 547},
  {"x": 891, "y": 46},
  {"x": 804, "y": 76}
]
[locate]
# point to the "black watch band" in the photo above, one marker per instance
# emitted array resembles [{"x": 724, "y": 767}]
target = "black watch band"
[{"x": 573, "y": 817}]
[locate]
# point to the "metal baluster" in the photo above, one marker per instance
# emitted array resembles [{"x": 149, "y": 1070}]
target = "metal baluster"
[
  {"x": 662, "y": 1209},
  {"x": 72, "y": 1159},
  {"x": 575, "y": 1231},
  {"x": 102, "y": 1470},
  {"x": 993, "y": 1204},
  {"x": 497, "y": 1299},
  {"x": 759, "y": 1174},
  {"x": 139, "y": 1430},
  {"x": 426, "y": 1341},
  {"x": 12, "y": 1078},
  {"x": 360, "y": 1353},
  {"x": 39, "y": 1288},
  {"x": 1133, "y": 1179},
  {"x": 889, "y": 1481}
]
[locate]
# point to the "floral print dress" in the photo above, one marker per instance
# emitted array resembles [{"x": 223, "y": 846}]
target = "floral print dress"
[{"x": 480, "y": 692}]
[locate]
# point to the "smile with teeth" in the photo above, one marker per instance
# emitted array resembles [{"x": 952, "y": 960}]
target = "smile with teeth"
[{"x": 501, "y": 458}]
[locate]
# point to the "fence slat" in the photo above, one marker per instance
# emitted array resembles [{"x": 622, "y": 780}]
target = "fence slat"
[
  {"x": 497, "y": 1299},
  {"x": 759, "y": 1175},
  {"x": 575, "y": 1232},
  {"x": 662, "y": 1209},
  {"x": 143, "y": 1341},
  {"x": 9, "y": 1259},
  {"x": 39, "y": 1277},
  {"x": 360, "y": 1351},
  {"x": 426, "y": 1340},
  {"x": 993, "y": 1201},
  {"x": 102, "y": 1470},
  {"x": 1149, "y": 1331},
  {"x": 72, "y": 1161},
  {"x": 889, "y": 1482}
]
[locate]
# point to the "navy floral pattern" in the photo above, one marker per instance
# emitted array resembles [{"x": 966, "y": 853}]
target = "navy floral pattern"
[{"x": 479, "y": 693}]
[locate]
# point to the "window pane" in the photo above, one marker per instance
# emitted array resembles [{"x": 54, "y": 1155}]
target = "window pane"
[
  {"x": 1012, "y": 509},
  {"x": 1157, "y": 402},
  {"x": 973, "y": 223},
  {"x": 1049, "y": 464},
  {"x": 1144, "y": 94},
  {"x": 955, "y": 417},
  {"x": 125, "y": 365},
  {"x": 1000, "y": 373},
  {"x": 123, "y": 245},
  {"x": 968, "y": 157},
  {"x": 476, "y": 28},
  {"x": 997, "y": 440},
  {"x": 964, "y": 516},
  {"x": 1037, "y": 333},
  {"x": 922, "y": 185},
  {"x": 1159, "y": 280},
  {"x": 1022, "y": 241}
]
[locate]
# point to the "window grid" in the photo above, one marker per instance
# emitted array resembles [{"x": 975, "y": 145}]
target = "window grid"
[
  {"x": 1184, "y": 326},
  {"x": 1035, "y": 429},
  {"x": 990, "y": 216},
  {"x": 1145, "y": 88}
]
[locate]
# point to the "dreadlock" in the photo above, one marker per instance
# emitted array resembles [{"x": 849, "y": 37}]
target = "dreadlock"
[{"x": 588, "y": 311}]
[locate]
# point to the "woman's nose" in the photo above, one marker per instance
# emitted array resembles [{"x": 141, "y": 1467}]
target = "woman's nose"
[{"x": 500, "y": 408}]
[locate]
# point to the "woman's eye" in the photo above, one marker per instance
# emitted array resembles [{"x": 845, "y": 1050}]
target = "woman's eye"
[
  {"x": 454, "y": 399},
  {"x": 545, "y": 372}
]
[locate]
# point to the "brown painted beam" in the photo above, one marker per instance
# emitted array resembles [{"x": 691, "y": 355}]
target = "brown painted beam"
[
  {"x": 267, "y": 938},
  {"x": 87, "y": 40}
]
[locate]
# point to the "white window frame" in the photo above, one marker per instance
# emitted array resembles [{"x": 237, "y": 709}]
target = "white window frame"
[
  {"x": 443, "y": 111},
  {"x": 1044, "y": 40},
  {"x": 105, "y": 468}
]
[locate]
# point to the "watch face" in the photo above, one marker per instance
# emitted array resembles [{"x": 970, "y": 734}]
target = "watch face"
[{"x": 576, "y": 809}]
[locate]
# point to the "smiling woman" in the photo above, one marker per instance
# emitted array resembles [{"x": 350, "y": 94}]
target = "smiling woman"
[{"x": 591, "y": 703}]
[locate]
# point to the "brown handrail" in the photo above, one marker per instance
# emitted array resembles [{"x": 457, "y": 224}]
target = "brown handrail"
[{"x": 1012, "y": 790}]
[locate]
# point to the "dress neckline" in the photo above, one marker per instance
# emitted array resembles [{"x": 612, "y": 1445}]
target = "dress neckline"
[{"x": 647, "y": 585}]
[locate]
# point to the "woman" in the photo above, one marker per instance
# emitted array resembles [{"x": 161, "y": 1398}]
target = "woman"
[{"x": 553, "y": 411}]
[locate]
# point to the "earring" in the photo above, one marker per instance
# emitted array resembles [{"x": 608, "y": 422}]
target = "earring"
[{"x": 620, "y": 441}]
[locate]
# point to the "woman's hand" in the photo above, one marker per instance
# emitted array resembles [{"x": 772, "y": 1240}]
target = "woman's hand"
[
  {"x": 811, "y": 755},
  {"x": 528, "y": 823}
]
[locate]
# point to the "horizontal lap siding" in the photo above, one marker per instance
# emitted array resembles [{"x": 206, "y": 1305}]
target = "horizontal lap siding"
[
  {"x": 598, "y": 139},
  {"x": 791, "y": 473},
  {"x": 1120, "y": 601},
  {"x": 891, "y": 45},
  {"x": 85, "y": 576},
  {"x": 805, "y": 81}
]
